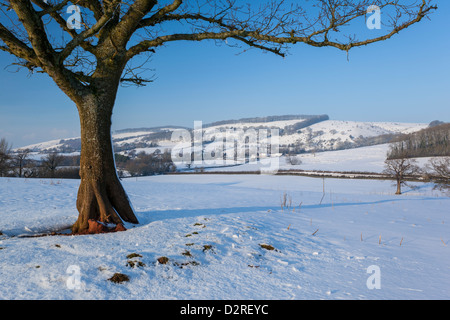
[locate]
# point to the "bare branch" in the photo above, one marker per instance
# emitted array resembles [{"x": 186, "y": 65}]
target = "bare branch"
[
  {"x": 253, "y": 44},
  {"x": 36, "y": 32},
  {"x": 126, "y": 29},
  {"x": 46, "y": 57},
  {"x": 81, "y": 37},
  {"x": 129, "y": 22},
  {"x": 161, "y": 14},
  {"x": 16, "y": 47},
  {"x": 50, "y": 9},
  {"x": 132, "y": 74},
  {"x": 94, "y": 5},
  {"x": 53, "y": 11},
  {"x": 272, "y": 30}
]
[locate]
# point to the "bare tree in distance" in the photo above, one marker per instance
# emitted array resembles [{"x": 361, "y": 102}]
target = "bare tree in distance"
[
  {"x": 440, "y": 171},
  {"x": 5, "y": 156},
  {"x": 441, "y": 167},
  {"x": 293, "y": 159},
  {"x": 20, "y": 159},
  {"x": 51, "y": 162},
  {"x": 90, "y": 62},
  {"x": 400, "y": 169}
]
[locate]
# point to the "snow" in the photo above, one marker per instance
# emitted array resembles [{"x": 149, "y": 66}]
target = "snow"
[
  {"x": 365, "y": 159},
  {"x": 133, "y": 134},
  {"x": 326, "y": 135},
  {"x": 358, "y": 225},
  {"x": 43, "y": 145},
  {"x": 368, "y": 129},
  {"x": 244, "y": 125},
  {"x": 331, "y": 134}
]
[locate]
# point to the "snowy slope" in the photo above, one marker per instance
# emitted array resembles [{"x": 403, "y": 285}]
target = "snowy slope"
[
  {"x": 358, "y": 225},
  {"x": 333, "y": 134},
  {"x": 324, "y": 135},
  {"x": 42, "y": 146}
]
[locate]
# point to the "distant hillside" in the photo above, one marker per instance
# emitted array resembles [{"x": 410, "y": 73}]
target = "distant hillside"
[
  {"x": 297, "y": 134},
  {"x": 151, "y": 129},
  {"x": 311, "y": 119}
]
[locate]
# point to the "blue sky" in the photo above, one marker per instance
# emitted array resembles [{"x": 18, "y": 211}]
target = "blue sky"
[{"x": 404, "y": 79}]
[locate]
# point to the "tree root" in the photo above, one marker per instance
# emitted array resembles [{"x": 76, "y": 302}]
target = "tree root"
[
  {"x": 99, "y": 227},
  {"x": 99, "y": 204},
  {"x": 95, "y": 227}
]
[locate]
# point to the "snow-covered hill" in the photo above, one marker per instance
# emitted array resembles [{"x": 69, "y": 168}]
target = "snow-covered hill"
[
  {"x": 296, "y": 133},
  {"x": 335, "y": 135}
]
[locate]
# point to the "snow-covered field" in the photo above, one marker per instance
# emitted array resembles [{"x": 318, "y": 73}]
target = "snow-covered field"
[
  {"x": 211, "y": 228},
  {"x": 365, "y": 159}
]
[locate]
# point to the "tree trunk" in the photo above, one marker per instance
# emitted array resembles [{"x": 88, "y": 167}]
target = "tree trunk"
[
  {"x": 399, "y": 187},
  {"x": 101, "y": 197}
]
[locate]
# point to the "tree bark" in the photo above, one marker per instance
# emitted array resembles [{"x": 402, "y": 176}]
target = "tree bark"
[
  {"x": 399, "y": 187},
  {"x": 101, "y": 196}
]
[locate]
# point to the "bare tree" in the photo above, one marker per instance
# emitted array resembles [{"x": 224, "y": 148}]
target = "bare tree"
[
  {"x": 20, "y": 159},
  {"x": 441, "y": 167},
  {"x": 293, "y": 159},
  {"x": 400, "y": 169},
  {"x": 51, "y": 162},
  {"x": 90, "y": 62},
  {"x": 440, "y": 170},
  {"x": 5, "y": 156}
]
